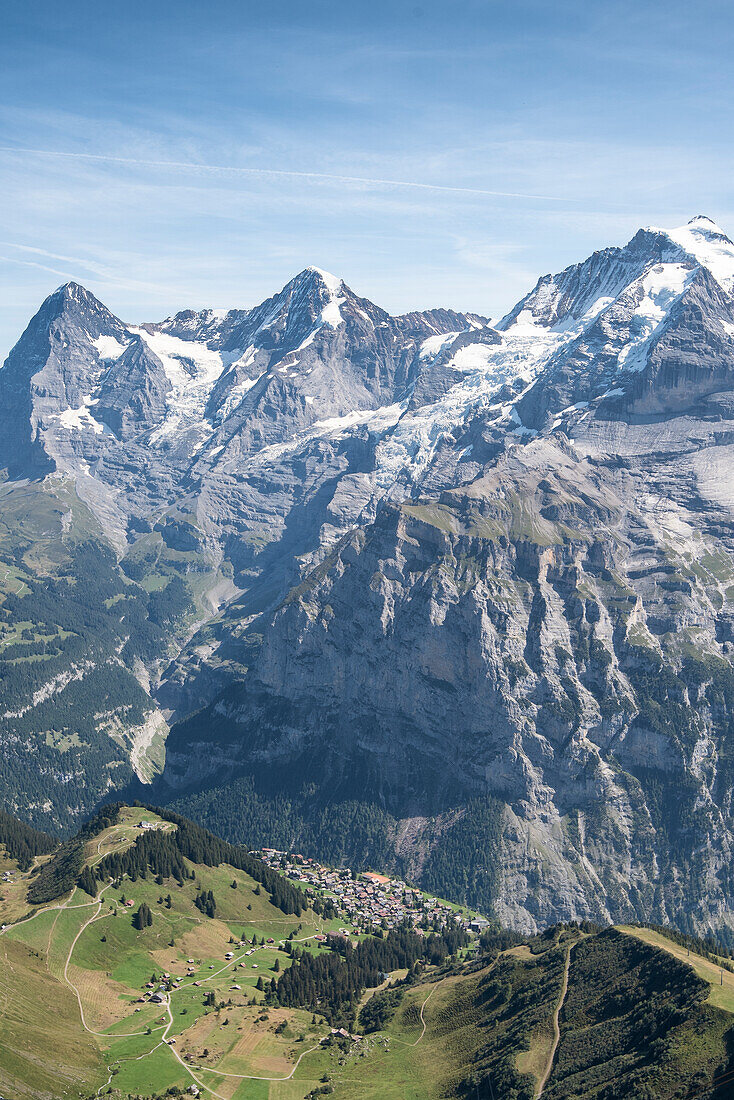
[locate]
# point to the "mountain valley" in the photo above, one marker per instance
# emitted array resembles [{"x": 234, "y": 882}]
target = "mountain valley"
[{"x": 446, "y": 595}]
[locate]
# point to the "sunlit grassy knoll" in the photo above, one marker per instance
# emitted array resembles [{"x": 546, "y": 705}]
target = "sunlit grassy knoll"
[
  {"x": 122, "y": 835},
  {"x": 720, "y": 980},
  {"x": 522, "y": 951},
  {"x": 232, "y": 903}
]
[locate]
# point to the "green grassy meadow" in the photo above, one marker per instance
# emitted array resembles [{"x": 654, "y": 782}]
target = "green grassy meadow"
[{"x": 483, "y": 1025}]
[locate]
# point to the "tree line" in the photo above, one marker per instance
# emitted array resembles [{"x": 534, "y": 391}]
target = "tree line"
[
  {"x": 61, "y": 873},
  {"x": 22, "y": 842},
  {"x": 333, "y": 982}
]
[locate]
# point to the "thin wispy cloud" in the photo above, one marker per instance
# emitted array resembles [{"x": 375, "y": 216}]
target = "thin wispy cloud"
[
  {"x": 73, "y": 261},
  {"x": 33, "y": 263},
  {"x": 79, "y": 267},
  {"x": 431, "y": 156},
  {"x": 237, "y": 170}
]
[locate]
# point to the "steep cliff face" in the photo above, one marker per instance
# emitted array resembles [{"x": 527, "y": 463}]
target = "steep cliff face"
[
  {"x": 545, "y": 620},
  {"x": 536, "y": 637},
  {"x": 189, "y": 464}
]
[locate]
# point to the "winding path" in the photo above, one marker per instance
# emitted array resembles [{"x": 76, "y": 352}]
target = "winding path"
[
  {"x": 67, "y": 979},
  {"x": 98, "y": 903},
  {"x": 403, "y": 1042},
  {"x": 556, "y": 1027},
  {"x": 423, "y": 1020}
]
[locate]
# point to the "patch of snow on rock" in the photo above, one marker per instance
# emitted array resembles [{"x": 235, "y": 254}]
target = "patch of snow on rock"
[
  {"x": 434, "y": 344},
  {"x": 192, "y": 369},
  {"x": 78, "y": 420},
  {"x": 108, "y": 347},
  {"x": 657, "y": 290}
]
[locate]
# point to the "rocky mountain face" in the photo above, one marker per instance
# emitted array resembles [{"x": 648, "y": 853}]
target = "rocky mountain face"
[
  {"x": 467, "y": 589},
  {"x": 187, "y": 466}
]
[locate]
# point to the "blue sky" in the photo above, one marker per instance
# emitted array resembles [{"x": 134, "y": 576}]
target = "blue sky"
[{"x": 176, "y": 154}]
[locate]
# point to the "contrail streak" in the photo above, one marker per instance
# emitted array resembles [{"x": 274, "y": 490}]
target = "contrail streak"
[{"x": 280, "y": 172}]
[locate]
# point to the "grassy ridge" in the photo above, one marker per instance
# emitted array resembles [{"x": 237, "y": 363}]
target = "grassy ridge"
[
  {"x": 635, "y": 1022},
  {"x": 111, "y": 963},
  {"x": 720, "y": 980},
  {"x": 639, "y": 1018}
]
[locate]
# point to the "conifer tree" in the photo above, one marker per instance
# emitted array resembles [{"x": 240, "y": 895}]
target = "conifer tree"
[
  {"x": 142, "y": 918},
  {"x": 87, "y": 882}
]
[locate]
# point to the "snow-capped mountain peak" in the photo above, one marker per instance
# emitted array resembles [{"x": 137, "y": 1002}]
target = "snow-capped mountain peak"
[
  {"x": 572, "y": 299},
  {"x": 71, "y": 291},
  {"x": 332, "y": 282},
  {"x": 704, "y": 242},
  {"x": 318, "y": 288},
  {"x": 700, "y": 223},
  {"x": 309, "y": 292},
  {"x": 73, "y": 299},
  {"x": 315, "y": 360}
]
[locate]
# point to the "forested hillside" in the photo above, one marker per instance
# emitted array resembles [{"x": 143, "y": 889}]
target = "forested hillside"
[
  {"x": 74, "y": 631},
  {"x": 22, "y": 843}
]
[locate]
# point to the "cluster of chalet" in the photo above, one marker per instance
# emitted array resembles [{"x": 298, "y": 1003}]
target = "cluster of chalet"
[
  {"x": 8, "y": 880},
  {"x": 158, "y": 988},
  {"x": 339, "y": 1033},
  {"x": 368, "y": 900}
]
